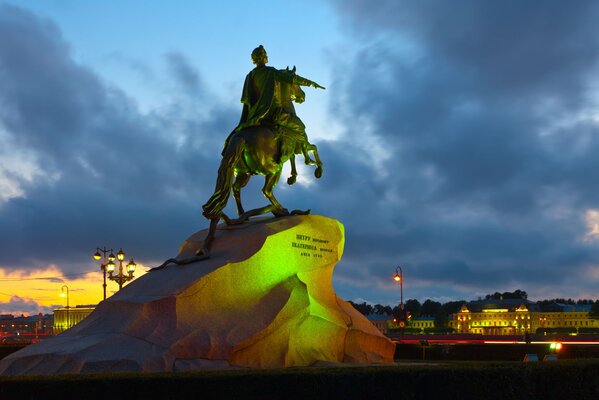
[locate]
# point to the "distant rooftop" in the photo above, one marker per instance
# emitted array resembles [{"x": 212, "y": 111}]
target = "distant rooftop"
[{"x": 494, "y": 304}]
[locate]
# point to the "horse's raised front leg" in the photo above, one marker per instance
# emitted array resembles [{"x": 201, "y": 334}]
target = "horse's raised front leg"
[
  {"x": 292, "y": 178},
  {"x": 312, "y": 147},
  {"x": 305, "y": 151},
  {"x": 241, "y": 180},
  {"x": 270, "y": 181}
]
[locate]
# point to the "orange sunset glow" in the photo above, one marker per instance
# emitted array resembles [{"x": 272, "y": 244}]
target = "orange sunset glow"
[{"x": 40, "y": 290}]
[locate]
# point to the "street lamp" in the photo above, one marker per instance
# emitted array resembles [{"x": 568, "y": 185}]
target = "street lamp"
[
  {"x": 65, "y": 293},
  {"x": 98, "y": 256},
  {"x": 120, "y": 278},
  {"x": 398, "y": 277}
]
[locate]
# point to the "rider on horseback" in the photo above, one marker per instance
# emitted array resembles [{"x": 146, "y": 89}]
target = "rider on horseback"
[{"x": 262, "y": 104}]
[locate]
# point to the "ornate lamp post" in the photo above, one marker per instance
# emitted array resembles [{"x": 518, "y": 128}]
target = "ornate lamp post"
[
  {"x": 65, "y": 293},
  {"x": 121, "y": 278},
  {"x": 98, "y": 256}
]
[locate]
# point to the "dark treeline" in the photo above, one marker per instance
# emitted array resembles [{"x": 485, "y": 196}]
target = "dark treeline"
[{"x": 440, "y": 311}]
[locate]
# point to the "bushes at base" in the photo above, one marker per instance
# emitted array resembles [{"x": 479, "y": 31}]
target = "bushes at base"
[
  {"x": 542, "y": 331},
  {"x": 514, "y": 381},
  {"x": 588, "y": 331},
  {"x": 406, "y": 331},
  {"x": 443, "y": 330}
]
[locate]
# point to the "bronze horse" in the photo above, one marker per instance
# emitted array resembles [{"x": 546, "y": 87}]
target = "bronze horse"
[{"x": 257, "y": 150}]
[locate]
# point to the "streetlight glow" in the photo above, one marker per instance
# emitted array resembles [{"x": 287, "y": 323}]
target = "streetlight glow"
[
  {"x": 120, "y": 277},
  {"x": 131, "y": 267},
  {"x": 110, "y": 267}
]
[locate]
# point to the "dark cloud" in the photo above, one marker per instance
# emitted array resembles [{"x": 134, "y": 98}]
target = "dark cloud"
[
  {"x": 186, "y": 75},
  {"x": 111, "y": 175},
  {"x": 18, "y": 305},
  {"x": 483, "y": 111}
]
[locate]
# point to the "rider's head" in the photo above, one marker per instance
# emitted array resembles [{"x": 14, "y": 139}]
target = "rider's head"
[{"x": 259, "y": 56}]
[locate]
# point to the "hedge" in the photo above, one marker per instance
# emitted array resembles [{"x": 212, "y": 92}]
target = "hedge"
[{"x": 514, "y": 381}]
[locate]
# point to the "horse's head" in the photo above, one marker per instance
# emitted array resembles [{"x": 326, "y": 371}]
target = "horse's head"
[{"x": 293, "y": 90}]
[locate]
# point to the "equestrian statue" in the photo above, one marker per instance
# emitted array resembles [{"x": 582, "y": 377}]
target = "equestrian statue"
[{"x": 268, "y": 135}]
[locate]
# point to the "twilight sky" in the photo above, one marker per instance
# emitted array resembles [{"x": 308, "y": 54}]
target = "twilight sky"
[{"x": 460, "y": 139}]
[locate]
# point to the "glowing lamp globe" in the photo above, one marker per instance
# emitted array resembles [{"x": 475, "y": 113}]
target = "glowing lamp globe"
[
  {"x": 131, "y": 266},
  {"x": 110, "y": 266}
]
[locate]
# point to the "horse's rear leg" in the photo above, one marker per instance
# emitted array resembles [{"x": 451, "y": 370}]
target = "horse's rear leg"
[
  {"x": 241, "y": 180},
  {"x": 270, "y": 181}
]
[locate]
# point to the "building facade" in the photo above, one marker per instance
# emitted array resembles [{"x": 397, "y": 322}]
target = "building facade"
[
  {"x": 518, "y": 316},
  {"x": 422, "y": 322},
  {"x": 66, "y": 317}
]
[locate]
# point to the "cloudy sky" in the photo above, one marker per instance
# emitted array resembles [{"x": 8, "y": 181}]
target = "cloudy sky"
[{"x": 460, "y": 139}]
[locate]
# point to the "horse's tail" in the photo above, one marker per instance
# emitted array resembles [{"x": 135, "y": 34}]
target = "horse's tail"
[{"x": 231, "y": 155}]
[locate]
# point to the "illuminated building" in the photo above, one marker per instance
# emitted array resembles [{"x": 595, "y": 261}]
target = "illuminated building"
[
  {"x": 422, "y": 322},
  {"x": 24, "y": 329},
  {"x": 66, "y": 317},
  {"x": 517, "y": 316}
]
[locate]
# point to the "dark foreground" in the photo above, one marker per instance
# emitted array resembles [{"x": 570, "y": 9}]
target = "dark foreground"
[{"x": 569, "y": 379}]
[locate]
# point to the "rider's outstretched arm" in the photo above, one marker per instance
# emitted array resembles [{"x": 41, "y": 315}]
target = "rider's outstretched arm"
[
  {"x": 300, "y": 80},
  {"x": 291, "y": 77}
]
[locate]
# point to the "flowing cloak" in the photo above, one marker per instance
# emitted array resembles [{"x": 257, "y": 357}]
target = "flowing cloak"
[
  {"x": 256, "y": 106},
  {"x": 261, "y": 98},
  {"x": 259, "y": 105}
]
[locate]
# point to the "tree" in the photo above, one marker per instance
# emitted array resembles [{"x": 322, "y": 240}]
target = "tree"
[
  {"x": 382, "y": 310},
  {"x": 452, "y": 307},
  {"x": 414, "y": 307},
  {"x": 430, "y": 307},
  {"x": 517, "y": 294},
  {"x": 495, "y": 296},
  {"x": 364, "y": 308},
  {"x": 594, "y": 310}
]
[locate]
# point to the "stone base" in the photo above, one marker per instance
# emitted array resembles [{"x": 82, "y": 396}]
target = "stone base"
[{"x": 264, "y": 299}]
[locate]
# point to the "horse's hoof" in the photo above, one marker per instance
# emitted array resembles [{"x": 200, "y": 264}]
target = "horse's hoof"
[
  {"x": 318, "y": 172},
  {"x": 291, "y": 180}
]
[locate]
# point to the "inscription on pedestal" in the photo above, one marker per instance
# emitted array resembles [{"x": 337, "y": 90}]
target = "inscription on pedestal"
[{"x": 311, "y": 246}]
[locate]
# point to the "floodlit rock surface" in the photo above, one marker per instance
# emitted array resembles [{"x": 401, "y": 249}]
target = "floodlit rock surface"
[{"x": 264, "y": 299}]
